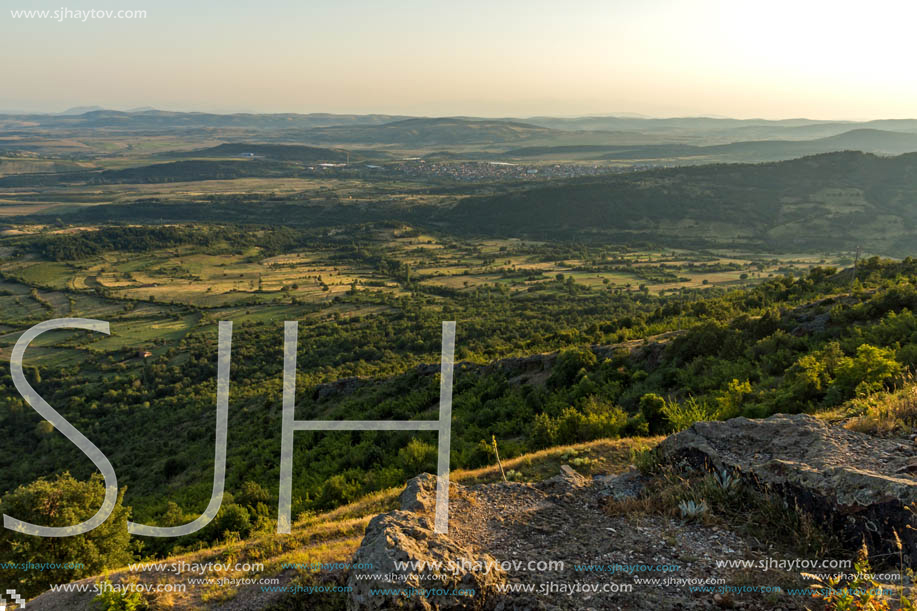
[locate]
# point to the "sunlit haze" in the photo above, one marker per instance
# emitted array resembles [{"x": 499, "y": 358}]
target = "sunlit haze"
[{"x": 782, "y": 59}]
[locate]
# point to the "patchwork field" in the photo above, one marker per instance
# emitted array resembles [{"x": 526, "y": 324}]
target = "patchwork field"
[{"x": 155, "y": 298}]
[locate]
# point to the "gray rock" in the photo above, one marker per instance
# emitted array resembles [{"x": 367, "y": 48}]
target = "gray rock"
[
  {"x": 856, "y": 485},
  {"x": 566, "y": 483},
  {"x": 419, "y": 495},
  {"x": 627, "y": 485},
  {"x": 406, "y": 536}
]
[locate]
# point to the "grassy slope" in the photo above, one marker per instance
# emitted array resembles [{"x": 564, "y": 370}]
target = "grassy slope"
[{"x": 335, "y": 535}]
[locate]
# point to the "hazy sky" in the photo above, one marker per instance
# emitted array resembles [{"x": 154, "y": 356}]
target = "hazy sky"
[{"x": 775, "y": 59}]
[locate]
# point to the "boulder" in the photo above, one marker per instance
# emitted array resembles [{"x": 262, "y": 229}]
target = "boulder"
[
  {"x": 419, "y": 495},
  {"x": 858, "y": 486},
  {"x": 621, "y": 487},
  {"x": 439, "y": 571}
]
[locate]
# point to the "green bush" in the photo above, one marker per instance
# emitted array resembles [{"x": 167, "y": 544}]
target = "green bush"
[
  {"x": 544, "y": 431},
  {"x": 110, "y": 599},
  {"x": 867, "y": 372},
  {"x": 63, "y": 501},
  {"x": 417, "y": 456},
  {"x": 651, "y": 406},
  {"x": 683, "y": 415}
]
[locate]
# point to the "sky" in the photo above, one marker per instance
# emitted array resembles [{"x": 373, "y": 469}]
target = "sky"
[{"x": 737, "y": 58}]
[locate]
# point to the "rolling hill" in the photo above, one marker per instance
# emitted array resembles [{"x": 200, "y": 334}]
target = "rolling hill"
[
  {"x": 162, "y": 119},
  {"x": 174, "y": 171},
  {"x": 866, "y": 140},
  {"x": 279, "y": 152},
  {"x": 714, "y": 130},
  {"x": 833, "y": 201},
  {"x": 836, "y": 200},
  {"x": 426, "y": 132}
]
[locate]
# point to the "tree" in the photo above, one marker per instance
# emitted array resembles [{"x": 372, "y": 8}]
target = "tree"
[
  {"x": 651, "y": 406},
  {"x": 810, "y": 377},
  {"x": 730, "y": 401},
  {"x": 63, "y": 501},
  {"x": 867, "y": 372},
  {"x": 417, "y": 456},
  {"x": 544, "y": 431},
  {"x": 569, "y": 426},
  {"x": 569, "y": 365},
  {"x": 231, "y": 522},
  {"x": 253, "y": 493}
]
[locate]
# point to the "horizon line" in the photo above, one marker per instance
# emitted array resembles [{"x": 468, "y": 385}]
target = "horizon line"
[{"x": 622, "y": 115}]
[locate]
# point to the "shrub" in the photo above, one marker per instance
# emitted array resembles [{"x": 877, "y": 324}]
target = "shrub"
[
  {"x": 110, "y": 599},
  {"x": 651, "y": 406},
  {"x": 885, "y": 413},
  {"x": 63, "y": 501},
  {"x": 417, "y": 456},
  {"x": 683, "y": 415},
  {"x": 232, "y": 520},
  {"x": 860, "y": 592},
  {"x": 867, "y": 372},
  {"x": 544, "y": 431}
]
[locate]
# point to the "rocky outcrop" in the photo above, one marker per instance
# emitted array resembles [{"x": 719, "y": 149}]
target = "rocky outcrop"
[
  {"x": 856, "y": 485},
  {"x": 418, "y": 568},
  {"x": 545, "y": 537}
]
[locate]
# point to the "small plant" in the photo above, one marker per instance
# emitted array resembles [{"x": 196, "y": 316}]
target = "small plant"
[
  {"x": 112, "y": 599},
  {"x": 859, "y": 592},
  {"x": 514, "y": 476},
  {"x": 683, "y": 415},
  {"x": 749, "y": 510},
  {"x": 493, "y": 439},
  {"x": 691, "y": 511},
  {"x": 580, "y": 461},
  {"x": 647, "y": 461},
  {"x": 725, "y": 479}
]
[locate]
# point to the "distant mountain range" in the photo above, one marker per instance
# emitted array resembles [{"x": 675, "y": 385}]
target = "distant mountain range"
[
  {"x": 162, "y": 119},
  {"x": 80, "y": 110},
  {"x": 433, "y": 132},
  {"x": 687, "y": 127},
  {"x": 280, "y": 152},
  {"x": 724, "y": 129},
  {"x": 675, "y": 141},
  {"x": 866, "y": 140}
]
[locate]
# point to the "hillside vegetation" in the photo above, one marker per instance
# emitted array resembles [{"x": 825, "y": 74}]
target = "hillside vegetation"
[
  {"x": 788, "y": 344},
  {"x": 826, "y": 201},
  {"x": 832, "y": 202},
  {"x": 606, "y": 291}
]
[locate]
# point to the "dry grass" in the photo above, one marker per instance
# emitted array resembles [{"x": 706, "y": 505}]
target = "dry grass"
[
  {"x": 893, "y": 413},
  {"x": 599, "y": 456},
  {"x": 744, "y": 506},
  {"x": 334, "y": 536}
]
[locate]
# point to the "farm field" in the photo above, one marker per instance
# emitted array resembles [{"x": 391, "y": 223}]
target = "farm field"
[
  {"x": 157, "y": 297},
  {"x": 195, "y": 276}
]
